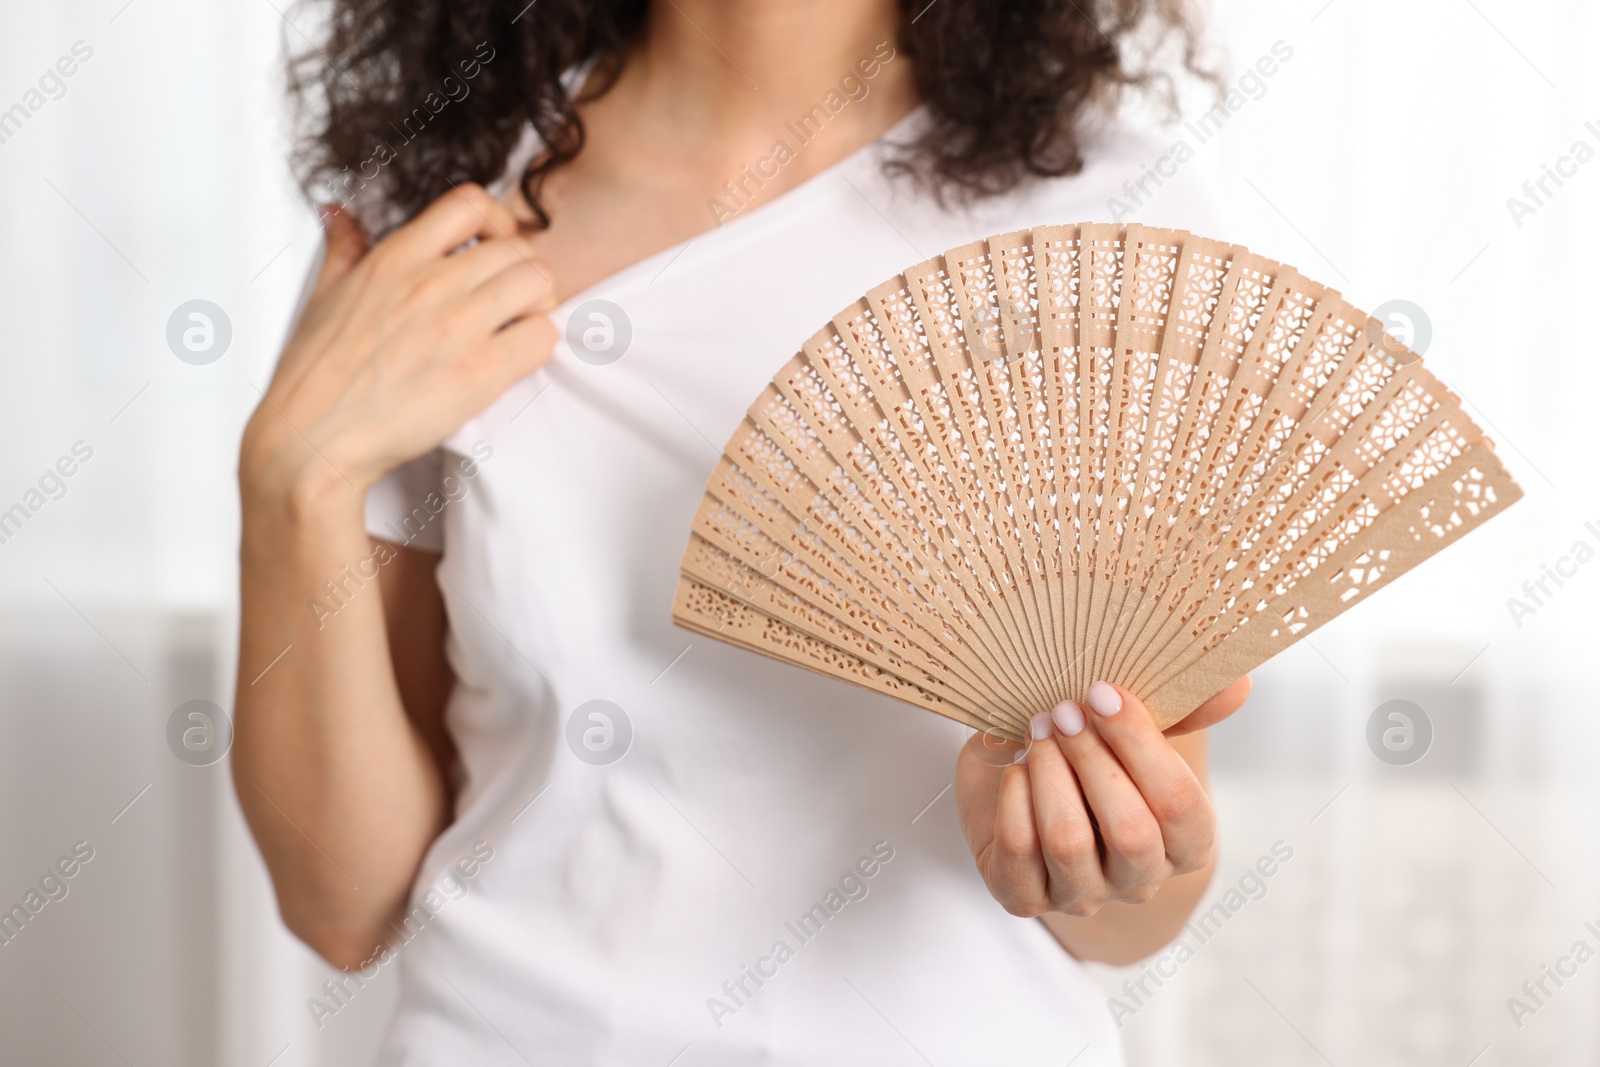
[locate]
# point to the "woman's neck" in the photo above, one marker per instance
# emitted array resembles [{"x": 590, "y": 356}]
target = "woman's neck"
[
  {"x": 718, "y": 85},
  {"x": 718, "y": 109}
]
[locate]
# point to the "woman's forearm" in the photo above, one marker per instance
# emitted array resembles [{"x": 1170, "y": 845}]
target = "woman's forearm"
[{"x": 337, "y": 784}]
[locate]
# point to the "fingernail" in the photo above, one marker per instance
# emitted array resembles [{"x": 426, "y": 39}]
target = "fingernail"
[
  {"x": 1021, "y": 756},
  {"x": 1069, "y": 718},
  {"x": 1039, "y": 728},
  {"x": 1104, "y": 698}
]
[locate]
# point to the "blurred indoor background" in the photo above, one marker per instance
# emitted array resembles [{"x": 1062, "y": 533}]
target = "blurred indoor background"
[{"x": 1419, "y": 894}]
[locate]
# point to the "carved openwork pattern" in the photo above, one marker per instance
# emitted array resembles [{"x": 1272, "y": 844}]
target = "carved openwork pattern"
[{"x": 1075, "y": 453}]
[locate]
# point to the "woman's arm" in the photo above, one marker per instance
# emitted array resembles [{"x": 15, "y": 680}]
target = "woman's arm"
[
  {"x": 339, "y": 785},
  {"x": 1105, "y": 830},
  {"x": 399, "y": 345}
]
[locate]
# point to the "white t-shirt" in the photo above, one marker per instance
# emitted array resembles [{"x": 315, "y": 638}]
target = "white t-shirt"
[{"x": 768, "y": 870}]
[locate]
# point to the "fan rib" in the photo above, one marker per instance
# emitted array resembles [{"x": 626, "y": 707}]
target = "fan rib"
[{"x": 1077, "y": 453}]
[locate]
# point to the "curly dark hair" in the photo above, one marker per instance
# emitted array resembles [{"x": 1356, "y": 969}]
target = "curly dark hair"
[{"x": 1006, "y": 86}]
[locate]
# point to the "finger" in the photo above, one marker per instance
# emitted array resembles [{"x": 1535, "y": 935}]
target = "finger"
[
  {"x": 1067, "y": 844},
  {"x": 1165, "y": 781},
  {"x": 978, "y": 774},
  {"x": 346, "y": 244},
  {"x": 522, "y": 288},
  {"x": 1012, "y": 866},
  {"x": 1214, "y": 710},
  {"x": 979, "y": 770},
  {"x": 521, "y": 348},
  {"x": 466, "y": 211},
  {"x": 1136, "y": 859},
  {"x": 471, "y": 267}
]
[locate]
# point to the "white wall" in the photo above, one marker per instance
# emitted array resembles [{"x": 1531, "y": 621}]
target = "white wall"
[{"x": 156, "y": 178}]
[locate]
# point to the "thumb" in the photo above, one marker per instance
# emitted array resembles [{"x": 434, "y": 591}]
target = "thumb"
[
  {"x": 1213, "y": 711},
  {"x": 347, "y": 243}
]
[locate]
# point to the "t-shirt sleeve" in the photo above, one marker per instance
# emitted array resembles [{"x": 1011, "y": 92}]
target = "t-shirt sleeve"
[{"x": 397, "y": 506}]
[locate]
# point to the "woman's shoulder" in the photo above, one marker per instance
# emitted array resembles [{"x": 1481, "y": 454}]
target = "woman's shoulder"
[{"x": 1129, "y": 175}]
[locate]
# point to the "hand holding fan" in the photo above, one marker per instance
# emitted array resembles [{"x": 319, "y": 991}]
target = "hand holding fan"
[{"x": 1075, "y": 454}]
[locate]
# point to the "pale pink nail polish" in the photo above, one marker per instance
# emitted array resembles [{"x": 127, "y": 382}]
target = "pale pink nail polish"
[
  {"x": 1039, "y": 728},
  {"x": 1104, "y": 699},
  {"x": 1068, "y": 717},
  {"x": 1021, "y": 756}
]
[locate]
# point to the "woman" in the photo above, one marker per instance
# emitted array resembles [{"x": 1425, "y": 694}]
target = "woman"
[{"x": 477, "y": 744}]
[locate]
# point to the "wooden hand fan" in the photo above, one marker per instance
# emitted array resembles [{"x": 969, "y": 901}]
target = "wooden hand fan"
[{"x": 1074, "y": 454}]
